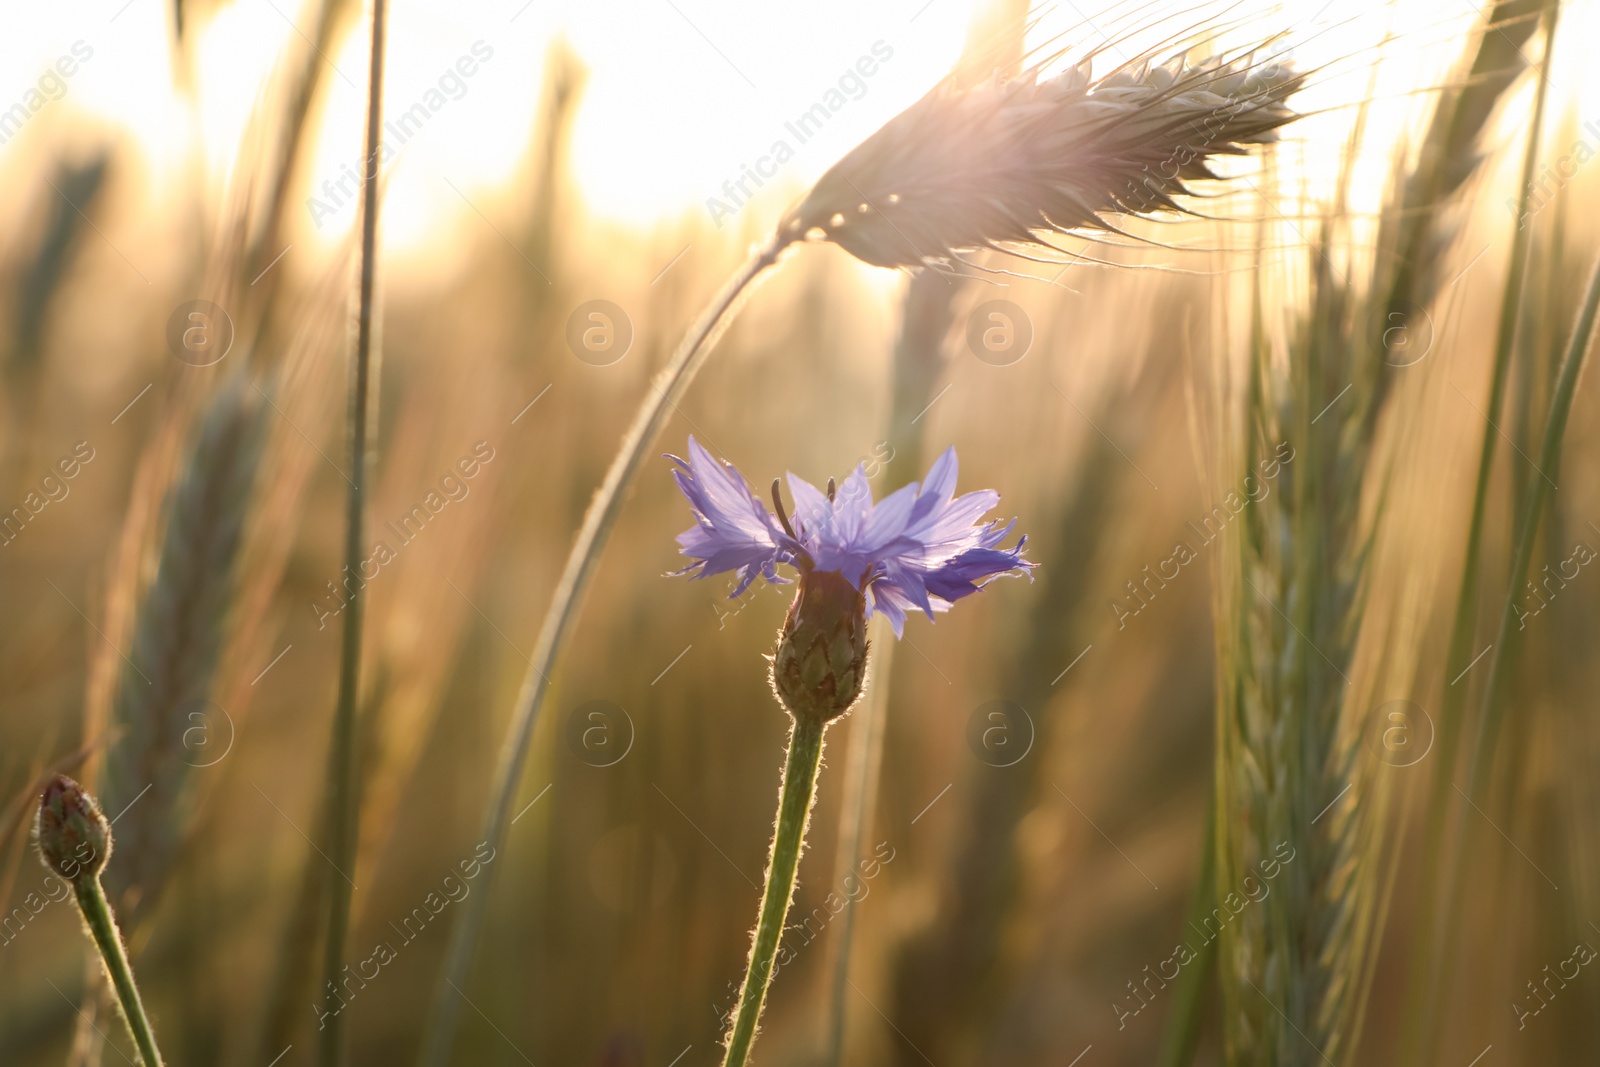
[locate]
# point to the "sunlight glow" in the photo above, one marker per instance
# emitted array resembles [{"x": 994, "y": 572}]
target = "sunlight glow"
[
  {"x": 685, "y": 105},
  {"x": 694, "y": 110}
]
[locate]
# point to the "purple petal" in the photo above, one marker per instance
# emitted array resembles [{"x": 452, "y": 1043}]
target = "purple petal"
[
  {"x": 733, "y": 530},
  {"x": 919, "y": 549},
  {"x": 813, "y": 514}
]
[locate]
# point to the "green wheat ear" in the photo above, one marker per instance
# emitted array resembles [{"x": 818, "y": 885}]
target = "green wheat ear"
[{"x": 1295, "y": 614}]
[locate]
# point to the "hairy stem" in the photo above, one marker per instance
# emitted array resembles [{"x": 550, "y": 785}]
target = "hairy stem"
[
  {"x": 343, "y": 782},
  {"x": 575, "y": 577},
  {"x": 103, "y": 927},
  {"x": 788, "y": 840}
]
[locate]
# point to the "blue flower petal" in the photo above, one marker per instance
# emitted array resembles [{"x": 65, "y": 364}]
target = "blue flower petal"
[
  {"x": 921, "y": 548},
  {"x": 733, "y": 530}
]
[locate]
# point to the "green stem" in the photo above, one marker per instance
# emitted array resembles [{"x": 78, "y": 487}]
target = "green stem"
[
  {"x": 581, "y": 564},
  {"x": 1538, "y": 494},
  {"x": 343, "y": 785},
  {"x": 788, "y": 839},
  {"x": 1429, "y": 963},
  {"x": 1482, "y": 751},
  {"x": 103, "y": 926}
]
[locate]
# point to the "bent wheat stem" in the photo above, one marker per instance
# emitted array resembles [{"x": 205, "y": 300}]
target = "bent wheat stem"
[{"x": 575, "y": 577}]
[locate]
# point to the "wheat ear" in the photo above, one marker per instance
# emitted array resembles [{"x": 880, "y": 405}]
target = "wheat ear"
[
  {"x": 1009, "y": 162},
  {"x": 166, "y": 683}
]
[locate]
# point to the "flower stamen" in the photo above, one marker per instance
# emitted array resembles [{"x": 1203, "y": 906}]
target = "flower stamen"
[{"x": 777, "y": 504}]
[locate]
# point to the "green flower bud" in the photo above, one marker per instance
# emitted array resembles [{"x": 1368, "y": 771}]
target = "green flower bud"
[
  {"x": 821, "y": 661},
  {"x": 74, "y": 837}
]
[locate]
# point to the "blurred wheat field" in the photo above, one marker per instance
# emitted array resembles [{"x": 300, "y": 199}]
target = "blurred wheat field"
[{"x": 1282, "y": 756}]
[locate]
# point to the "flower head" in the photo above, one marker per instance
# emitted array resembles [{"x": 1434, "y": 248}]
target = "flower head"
[
  {"x": 920, "y": 548},
  {"x": 74, "y": 838}
]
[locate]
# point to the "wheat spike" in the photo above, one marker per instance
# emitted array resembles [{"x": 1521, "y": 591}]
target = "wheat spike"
[
  {"x": 177, "y": 637},
  {"x": 1010, "y": 161},
  {"x": 1302, "y": 651}
]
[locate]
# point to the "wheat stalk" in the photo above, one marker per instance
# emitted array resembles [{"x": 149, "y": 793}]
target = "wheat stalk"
[
  {"x": 344, "y": 799},
  {"x": 1292, "y": 683},
  {"x": 1426, "y": 964}
]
